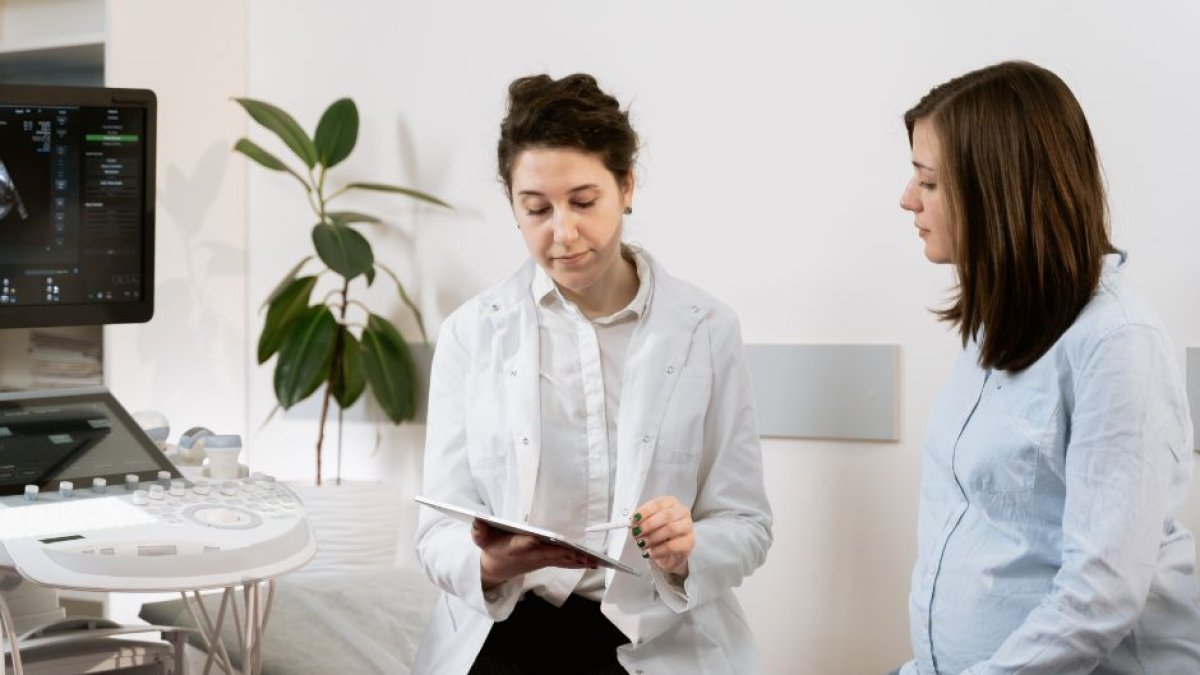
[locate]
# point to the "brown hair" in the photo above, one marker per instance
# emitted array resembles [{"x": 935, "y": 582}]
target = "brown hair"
[
  {"x": 571, "y": 112},
  {"x": 1026, "y": 206}
]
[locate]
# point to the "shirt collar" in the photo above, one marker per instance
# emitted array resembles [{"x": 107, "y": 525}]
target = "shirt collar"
[{"x": 545, "y": 291}]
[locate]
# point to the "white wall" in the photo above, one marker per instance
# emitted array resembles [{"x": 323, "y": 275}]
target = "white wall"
[
  {"x": 190, "y": 361},
  {"x": 774, "y": 159}
]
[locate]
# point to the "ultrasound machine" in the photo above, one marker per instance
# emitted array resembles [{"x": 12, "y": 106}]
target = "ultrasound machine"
[{"x": 87, "y": 501}]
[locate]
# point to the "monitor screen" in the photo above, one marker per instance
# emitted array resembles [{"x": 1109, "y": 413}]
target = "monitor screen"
[
  {"x": 75, "y": 435},
  {"x": 76, "y": 205}
]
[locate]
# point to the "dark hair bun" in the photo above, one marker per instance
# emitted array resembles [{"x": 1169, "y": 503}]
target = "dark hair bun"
[{"x": 571, "y": 112}]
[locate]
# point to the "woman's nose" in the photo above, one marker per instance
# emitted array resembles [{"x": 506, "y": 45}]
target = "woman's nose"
[
  {"x": 565, "y": 230},
  {"x": 908, "y": 198}
]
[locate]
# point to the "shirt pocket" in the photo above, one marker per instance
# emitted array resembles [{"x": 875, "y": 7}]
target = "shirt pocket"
[
  {"x": 1016, "y": 425},
  {"x": 681, "y": 436}
]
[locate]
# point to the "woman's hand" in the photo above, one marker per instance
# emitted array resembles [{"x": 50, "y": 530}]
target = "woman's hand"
[
  {"x": 508, "y": 555},
  {"x": 662, "y": 529}
]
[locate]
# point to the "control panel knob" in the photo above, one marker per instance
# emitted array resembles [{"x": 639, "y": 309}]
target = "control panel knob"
[
  {"x": 139, "y": 497},
  {"x": 31, "y": 493},
  {"x": 65, "y": 488},
  {"x": 164, "y": 478},
  {"x": 201, "y": 487},
  {"x": 99, "y": 485},
  {"x": 178, "y": 487},
  {"x": 156, "y": 491},
  {"x": 131, "y": 481},
  {"x": 229, "y": 488}
]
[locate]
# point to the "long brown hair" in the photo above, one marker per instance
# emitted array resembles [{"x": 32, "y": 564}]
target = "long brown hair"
[{"x": 1026, "y": 206}]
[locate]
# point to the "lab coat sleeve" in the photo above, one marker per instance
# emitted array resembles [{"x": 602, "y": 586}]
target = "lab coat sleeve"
[
  {"x": 731, "y": 514},
  {"x": 444, "y": 546},
  {"x": 1129, "y": 427}
]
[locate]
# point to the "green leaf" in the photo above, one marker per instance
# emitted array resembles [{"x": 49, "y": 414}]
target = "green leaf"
[
  {"x": 284, "y": 126},
  {"x": 283, "y": 310},
  {"x": 305, "y": 355},
  {"x": 255, "y": 152},
  {"x": 336, "y": 132},
  {"x": 287, "y": 279},
  {"x": 406, "y": 300},
  {"x": 370, "y": 276},
  {"x": 415, "y": 194},
  {"x": 352, "y": 374},
  {"x": 342, "y": 248},
  {"x": 347, "y": 217},
  {"x": 390, "y": 370}
]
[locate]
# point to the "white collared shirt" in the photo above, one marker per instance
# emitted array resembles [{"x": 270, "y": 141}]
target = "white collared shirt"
[{"x": 582, "y": 366}]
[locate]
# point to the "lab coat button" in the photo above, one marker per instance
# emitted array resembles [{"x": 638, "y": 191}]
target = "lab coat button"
[
  {"x": 624, "y": 513},
  {"x": 670, "y": 369},
  {"x": 525, "y": 440},
  {"x": 512, "y": 373},
  {"x": 646, "y": 438},
  {"x": 695, "y": 309},
  {"x": 495, "y": 308}
]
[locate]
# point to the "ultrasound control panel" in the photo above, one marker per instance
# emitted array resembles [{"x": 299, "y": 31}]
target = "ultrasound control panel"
[{"x": 163, "y": 534}]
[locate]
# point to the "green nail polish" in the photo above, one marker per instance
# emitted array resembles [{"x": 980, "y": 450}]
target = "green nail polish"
[
  {"x": 641, "y": 543},
  {"x": 637, "y": 517},
  {"x": 645, "y": 554},
  {"x": 637, "y": 531}
]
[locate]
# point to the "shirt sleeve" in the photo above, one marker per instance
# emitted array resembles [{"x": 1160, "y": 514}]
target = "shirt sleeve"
[
  {"x": 1128, "y": 428},
  {"x": 445, "y": 549},
  {"x": 731, "y": 514}
]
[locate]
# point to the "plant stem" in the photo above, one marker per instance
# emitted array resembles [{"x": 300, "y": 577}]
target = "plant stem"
[{"x": 321, "y": 424}]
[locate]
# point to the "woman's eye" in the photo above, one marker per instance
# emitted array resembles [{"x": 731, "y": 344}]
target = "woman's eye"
[
  {"x": 538, "y": 212},
  {"x": 928, "y": 186},
  {"x": 583, "y": 205}
]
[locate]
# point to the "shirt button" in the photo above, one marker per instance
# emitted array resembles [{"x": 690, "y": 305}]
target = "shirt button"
[
  {"x": 624, "y": 513},
  {"x": 512, "y": 373},
  {"x": 695, "y": 309},
  {"x": 524, "y": 440},
  {"x": 670, "y": 369},
  {"x": 646, "y": 438}
]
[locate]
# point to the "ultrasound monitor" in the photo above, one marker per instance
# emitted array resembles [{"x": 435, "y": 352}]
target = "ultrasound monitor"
[{"x": 76, "y": 205}]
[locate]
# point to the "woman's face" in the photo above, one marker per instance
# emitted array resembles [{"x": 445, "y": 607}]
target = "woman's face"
[
  {"x": 925, "y": 196},
  {"x": 568, "y": 206}
]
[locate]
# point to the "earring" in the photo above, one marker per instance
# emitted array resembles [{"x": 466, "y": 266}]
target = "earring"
[{"x": 628, "y": 210}]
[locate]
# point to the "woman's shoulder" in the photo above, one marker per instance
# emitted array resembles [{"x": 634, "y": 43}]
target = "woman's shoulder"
[
  {"x": 498, "y": 300},
  {"x": 690, "y": 298},
  {"x": 1116, "y": 308}
]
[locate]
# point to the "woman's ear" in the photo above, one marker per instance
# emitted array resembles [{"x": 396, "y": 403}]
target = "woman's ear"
[{"x": 627, "y": 191}]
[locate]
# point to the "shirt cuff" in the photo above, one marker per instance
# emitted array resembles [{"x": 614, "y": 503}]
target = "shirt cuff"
[
  {"x": 671, "y": 588},
  {"x": 502, "y": 599}
]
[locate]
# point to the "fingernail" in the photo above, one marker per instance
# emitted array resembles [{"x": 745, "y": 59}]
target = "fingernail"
[
  {"x": 641, "y": 543},
  {"x": 645, "y": 554},
  {"x": 637, "y": 517},
  {"x": 637, "y": 531}
]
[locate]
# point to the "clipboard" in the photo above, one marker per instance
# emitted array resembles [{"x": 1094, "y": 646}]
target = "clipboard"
[{"x": 513, "y": 527}]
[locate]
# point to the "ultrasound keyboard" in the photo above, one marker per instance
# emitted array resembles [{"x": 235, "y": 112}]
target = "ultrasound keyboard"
[{"x": 164, "y": 535}]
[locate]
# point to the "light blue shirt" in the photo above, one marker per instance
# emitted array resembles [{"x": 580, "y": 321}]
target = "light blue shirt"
[{"x": 1047, "y": 539}]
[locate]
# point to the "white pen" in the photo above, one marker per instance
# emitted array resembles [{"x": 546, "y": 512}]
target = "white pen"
[{"x": 614, "y": 525}]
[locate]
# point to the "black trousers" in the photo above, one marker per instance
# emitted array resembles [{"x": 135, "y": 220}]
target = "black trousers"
[{"x": 541, "y": 638}]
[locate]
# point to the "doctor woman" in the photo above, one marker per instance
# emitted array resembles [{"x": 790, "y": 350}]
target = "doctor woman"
[
  {"x": 589, "y": 387},
  {"x": 1058, "y": 455}
]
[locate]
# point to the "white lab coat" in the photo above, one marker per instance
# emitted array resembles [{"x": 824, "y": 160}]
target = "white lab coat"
[{"x": 686, "y": 428}]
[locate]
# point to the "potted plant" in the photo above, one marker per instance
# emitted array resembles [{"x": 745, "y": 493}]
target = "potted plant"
[{"x": 331, "y": 339}]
